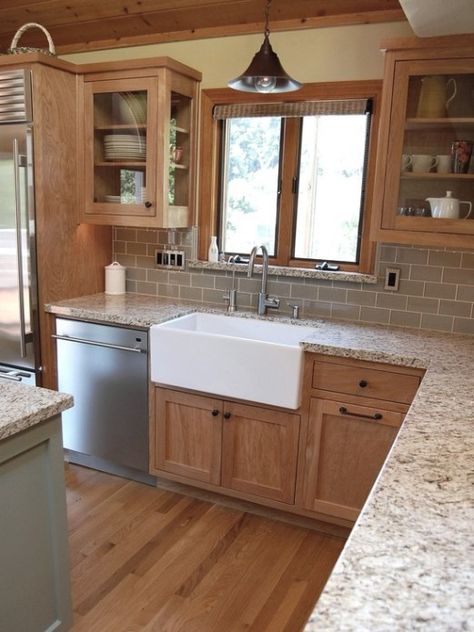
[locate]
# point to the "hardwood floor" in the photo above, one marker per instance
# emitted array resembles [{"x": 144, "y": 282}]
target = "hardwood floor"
[{"x": 145, "y": 559}]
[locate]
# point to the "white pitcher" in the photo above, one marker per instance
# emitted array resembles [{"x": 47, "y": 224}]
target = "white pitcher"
[{"x": 447, "y": 207}]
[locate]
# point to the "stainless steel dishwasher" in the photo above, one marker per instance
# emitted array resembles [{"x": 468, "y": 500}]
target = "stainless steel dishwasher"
[{"x": 105, "y": 368}]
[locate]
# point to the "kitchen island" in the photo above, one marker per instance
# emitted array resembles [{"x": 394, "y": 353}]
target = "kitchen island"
[
  {"x": 34, "y": 580},
  {"x": 408, "y": 562}
]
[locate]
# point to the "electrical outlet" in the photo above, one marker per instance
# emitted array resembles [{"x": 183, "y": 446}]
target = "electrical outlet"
[
  {"x": 174, "y": 259},
  {"x": 392, "y": 279}
]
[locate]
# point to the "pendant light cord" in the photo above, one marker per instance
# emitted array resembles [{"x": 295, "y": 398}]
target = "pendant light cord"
[{"x": 267, "y": 17}]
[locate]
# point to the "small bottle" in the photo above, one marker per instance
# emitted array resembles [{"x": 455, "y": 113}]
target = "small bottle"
[{"x": 213, "y": 254}]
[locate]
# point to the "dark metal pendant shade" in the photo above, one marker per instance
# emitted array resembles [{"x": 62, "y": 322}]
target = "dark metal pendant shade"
[{"x": 265, "y": 74}]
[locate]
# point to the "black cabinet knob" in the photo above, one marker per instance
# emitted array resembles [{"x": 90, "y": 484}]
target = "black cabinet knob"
[
  {"x": 215, "y": 412},
  {"x": 226, "y": 415},
  {"x": 148, "y": 204},
  {"x": 363, "y": 383}
]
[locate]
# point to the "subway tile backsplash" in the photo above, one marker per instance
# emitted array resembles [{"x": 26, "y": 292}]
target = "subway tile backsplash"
[{"x": 436, "y": 285}]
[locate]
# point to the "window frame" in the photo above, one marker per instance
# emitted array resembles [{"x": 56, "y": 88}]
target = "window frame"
[
  {"x": 210, "y": 165},
  {"x": 220, "y": 199}
]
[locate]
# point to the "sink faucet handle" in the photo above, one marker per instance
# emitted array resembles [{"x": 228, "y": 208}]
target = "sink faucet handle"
[
  {"x": 272, "y": 301},
  {"x": 230, "y": 296},
  {"x": 295, "y": 314}
]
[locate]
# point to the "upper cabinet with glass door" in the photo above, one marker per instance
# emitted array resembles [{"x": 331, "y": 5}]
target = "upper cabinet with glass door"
[
  {"x": 425, "y": 179},
  {"x": 138, "y": 145}
]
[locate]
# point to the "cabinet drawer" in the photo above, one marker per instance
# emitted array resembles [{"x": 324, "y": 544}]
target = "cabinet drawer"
[{"x": 365, "y": 382}]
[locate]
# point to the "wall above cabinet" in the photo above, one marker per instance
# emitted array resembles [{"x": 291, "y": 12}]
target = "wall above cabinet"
[
  {"x": 425, "y": 145},
  {"x": 137, "y": 144}
]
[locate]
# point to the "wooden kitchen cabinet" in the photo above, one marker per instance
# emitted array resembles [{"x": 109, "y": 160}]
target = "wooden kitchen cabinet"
[
  {"x": 354, "y": 411},
  {"x": 260, "y": 448},
  {"x": 70, "y": 259},
  {"x": 347, "y": 445},
  {"x": 138, "y": 144},
  {"x": 245, "y": 448},
  {"x": 415, "y": 120},
  {"x": 320, "y": 461},
  {"x": 186, "y": 435}
]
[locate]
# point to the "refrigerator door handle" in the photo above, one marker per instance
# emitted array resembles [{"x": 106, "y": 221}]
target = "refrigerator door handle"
[
  {"x": 11, "y": 375},
  {"x": 19, "y": 248}
]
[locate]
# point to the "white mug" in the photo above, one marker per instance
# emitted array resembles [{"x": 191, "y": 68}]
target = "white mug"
[
  {"x": 444, "y": 163},
  {"x": 406, "y": 162},
  {"x": 423, "y": 163}
]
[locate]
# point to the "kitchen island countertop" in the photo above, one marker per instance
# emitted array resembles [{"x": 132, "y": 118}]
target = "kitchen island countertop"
[
  {"x": 408, "y": 562},
  {"x": 23, "y": 406}
]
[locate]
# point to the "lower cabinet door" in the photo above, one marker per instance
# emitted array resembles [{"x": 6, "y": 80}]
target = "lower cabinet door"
[
  {"x": 347, "y": 445},
  {"x": 260, "y": 448},
  {"x": 187, "y": 435}
]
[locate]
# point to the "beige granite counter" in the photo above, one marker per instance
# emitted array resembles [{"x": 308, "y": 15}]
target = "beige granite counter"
[
  {"x": 132, "y": 310},
  {"x": 286, "y": 271},
  {"x": 408, "y": 564},
  {"x": 22, "y": 406}
]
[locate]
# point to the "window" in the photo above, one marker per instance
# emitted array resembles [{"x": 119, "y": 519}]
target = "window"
[
  {"x": 250, "y": 191},
  {"x": 293, "y": 176}
]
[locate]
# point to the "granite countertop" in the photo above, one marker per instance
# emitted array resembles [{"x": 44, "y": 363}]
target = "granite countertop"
[
  {"x": 23, "y": 406},
  {"x": 130, "y": 310},
  {"x": 408, "y": 562}
]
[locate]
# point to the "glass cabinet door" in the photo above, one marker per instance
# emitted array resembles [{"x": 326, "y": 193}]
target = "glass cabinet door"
[
  {"x": 121, "y": 147},
  {"x": 178, "y": 192},
  {"x": 430, "y": 172}
]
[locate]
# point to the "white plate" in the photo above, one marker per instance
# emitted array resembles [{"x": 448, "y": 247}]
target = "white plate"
[
  {"x": 124, "y": 153},
  {"x": 129, "y": 137}
]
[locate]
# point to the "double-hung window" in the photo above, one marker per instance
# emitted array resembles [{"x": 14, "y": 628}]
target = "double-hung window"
[{"x": 293, "y": 176}]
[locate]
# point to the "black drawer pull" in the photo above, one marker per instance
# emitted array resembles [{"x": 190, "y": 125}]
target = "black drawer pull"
[
  {"x": 363, "y": 383},
  {"x": 215, "y": 412},
  {"x": 376, "y": 416},
  {"x": 226, "y": 415},
  {"x": 148, "y": 204}
]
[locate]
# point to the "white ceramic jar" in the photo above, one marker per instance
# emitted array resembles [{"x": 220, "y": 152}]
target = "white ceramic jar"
[{"x": 115, "y": 278}]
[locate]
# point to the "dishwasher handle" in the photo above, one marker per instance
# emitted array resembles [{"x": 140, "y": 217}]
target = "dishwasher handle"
[{"x": 97, "y": 344}]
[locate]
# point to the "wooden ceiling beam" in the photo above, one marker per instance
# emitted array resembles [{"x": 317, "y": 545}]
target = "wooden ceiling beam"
[
  {"x": 178, "y": 20},
  {"x": 234, "y": 29},
  {"x": 80, "y": 12}
]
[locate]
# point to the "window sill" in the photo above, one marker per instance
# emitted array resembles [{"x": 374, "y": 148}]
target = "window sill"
[{"x": 283, "y": 271}]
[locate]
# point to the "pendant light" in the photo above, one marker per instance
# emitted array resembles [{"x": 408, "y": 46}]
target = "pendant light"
[{"x": 265, "y": 73}]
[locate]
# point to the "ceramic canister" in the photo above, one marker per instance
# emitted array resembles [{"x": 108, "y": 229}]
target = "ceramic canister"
[{"x": 115, "y": 278}]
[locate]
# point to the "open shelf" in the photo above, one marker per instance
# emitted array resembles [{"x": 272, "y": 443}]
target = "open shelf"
[
  {"x": 436, "y": 176},
  {"x": 426, "y": 123},
  {"x": 120, "y": 126},
  {"x": 121, "y": 163}
]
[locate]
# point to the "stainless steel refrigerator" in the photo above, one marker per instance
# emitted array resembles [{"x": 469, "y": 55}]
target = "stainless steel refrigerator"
[{"x": 19, "y": 341}]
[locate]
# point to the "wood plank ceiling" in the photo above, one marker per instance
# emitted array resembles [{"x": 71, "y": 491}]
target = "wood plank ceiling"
[{"x": 79, "y": 25}]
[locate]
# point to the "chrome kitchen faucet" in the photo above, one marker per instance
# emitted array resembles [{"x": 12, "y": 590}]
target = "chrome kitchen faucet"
[{"x": 264, "y": 301}]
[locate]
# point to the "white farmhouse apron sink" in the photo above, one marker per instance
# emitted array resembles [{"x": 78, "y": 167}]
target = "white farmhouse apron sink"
[{"x": 243, "y": 358}]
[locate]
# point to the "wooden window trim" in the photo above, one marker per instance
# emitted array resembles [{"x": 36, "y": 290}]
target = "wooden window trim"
[{"x": 209, "y": 164}]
